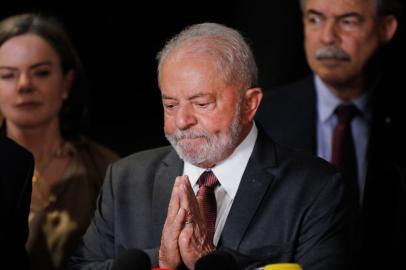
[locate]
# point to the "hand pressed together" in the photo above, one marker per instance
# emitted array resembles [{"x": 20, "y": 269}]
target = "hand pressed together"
[{"x": 184, "y": 236}]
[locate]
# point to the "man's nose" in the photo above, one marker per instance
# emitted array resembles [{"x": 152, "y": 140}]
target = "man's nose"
[
  {"x": 185, "y": 117},
  {"x": 330, "y": 33}
]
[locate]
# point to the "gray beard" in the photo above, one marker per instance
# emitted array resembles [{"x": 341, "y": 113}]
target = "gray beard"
[{"x": 216, "y": 148}]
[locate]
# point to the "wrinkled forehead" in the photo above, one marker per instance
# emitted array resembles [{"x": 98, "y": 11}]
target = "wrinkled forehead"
[{"x": 341, "y": 6}]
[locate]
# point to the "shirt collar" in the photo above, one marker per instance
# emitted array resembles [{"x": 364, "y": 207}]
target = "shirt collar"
[
  {"x": 229, "y": 172},
  {"x": 327, "y": 102}
]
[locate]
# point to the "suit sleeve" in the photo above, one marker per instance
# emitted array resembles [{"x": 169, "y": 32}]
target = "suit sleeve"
[
  {"x": 98, "y": 247},
  {"x": 96, "y": 250}
]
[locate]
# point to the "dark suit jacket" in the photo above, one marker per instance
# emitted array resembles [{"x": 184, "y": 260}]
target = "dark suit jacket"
[
  {"x": 289, "y": 115},
  {"x": 16, "y": 167},
  {"x": 288, "y": 207}
]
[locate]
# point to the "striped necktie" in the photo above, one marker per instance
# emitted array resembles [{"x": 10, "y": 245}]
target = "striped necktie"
[{"x": 207, "y": 183}]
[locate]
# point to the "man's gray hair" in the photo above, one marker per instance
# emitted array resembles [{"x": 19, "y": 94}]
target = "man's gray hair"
[
  {"x": 231, "y": 53},
  {"x": 382, "y": 7}
]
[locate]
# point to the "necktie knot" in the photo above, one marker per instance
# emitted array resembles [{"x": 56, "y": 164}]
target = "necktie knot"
[
  {"x": 208, "y": 180},
  {"x": 346, "y": 112}
]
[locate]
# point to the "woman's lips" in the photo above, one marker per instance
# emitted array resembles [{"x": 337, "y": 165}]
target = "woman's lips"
[{"x": 28, "y": 105}]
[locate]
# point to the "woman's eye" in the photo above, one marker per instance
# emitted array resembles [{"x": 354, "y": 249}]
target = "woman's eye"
[
  {"x": 7, "y": 76},
  {"x": 42, "y": 73}
]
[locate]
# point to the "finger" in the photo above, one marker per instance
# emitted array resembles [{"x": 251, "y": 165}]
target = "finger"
[
  {"x": 185, "y": 237},
  {"x": 189, "y": 189},
  {"x": 190, "y": 204},
  {"x": 183, "y": 197},
  {"x": 200, "y": 204},
  {"x": 174, "y": 203},
  {"x": 192, "y": 201},
  {"x": 169, "y": 256},
  {"x": 182, "y": 181},
  {"x": 170, "y": 237},
  {"x": 178, "y": 224},
  {"x": 199, "y": 244},
  {"x": 189, "y": 248}
]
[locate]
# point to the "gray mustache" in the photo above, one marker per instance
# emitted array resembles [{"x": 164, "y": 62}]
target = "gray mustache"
[
  {"x": 330, "y": 52},
  {"x": 189, "y": 134}
]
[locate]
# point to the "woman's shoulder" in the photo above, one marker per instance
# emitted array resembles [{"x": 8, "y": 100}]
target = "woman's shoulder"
[{"x": 89, "y": 149}]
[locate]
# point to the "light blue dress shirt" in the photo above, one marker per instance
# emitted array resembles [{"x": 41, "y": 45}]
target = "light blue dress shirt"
[{"x": 327, "y": 102}]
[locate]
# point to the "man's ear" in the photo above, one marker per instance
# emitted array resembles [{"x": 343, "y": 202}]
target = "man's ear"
[
  {"x": 252, "y": 99},
  {"x": 387, "y": 28}
]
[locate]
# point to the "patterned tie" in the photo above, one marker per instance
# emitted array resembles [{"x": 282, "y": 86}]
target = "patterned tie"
[
  {"x": 207, "y": 183},
  {"x": 343, "y": 156}
]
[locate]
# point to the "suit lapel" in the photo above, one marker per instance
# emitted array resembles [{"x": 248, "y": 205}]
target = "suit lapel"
[
  {"x": 170, "y": 168},
  {"x": 254, "y": 185}
]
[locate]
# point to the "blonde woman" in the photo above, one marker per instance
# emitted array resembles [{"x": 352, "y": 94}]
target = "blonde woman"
[{"x": 41, "y": 101}]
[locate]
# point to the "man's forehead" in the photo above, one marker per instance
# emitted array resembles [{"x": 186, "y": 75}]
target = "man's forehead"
[
  {"x": 187, "y": 95},
  {"x": 340, "y": 6}
]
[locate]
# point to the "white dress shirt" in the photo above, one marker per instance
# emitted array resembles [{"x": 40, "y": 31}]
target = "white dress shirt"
[
  {"x": 327, "y": 102},
  {"x": 229, "y": 173}
]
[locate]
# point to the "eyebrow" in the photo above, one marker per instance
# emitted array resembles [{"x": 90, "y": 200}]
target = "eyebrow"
[
  {"x": 199, "y": 96},
  {"x": 189, "y": 98},
  {"x": 341, "y": 16},
  {"x": 166, "y": 97},
  {"x": 351, "y": 14},
  {"x": 47, "y": 63},
  {"x": 314, "y": 12}
]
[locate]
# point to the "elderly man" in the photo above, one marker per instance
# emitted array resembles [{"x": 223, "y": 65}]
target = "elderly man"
[
  {"x": 223, "y": 185},
  {"x": 346, "y": 113}
]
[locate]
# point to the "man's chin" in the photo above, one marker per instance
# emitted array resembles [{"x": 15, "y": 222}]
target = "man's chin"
[
  {"x": 190, "y": 157},
  {"x": 189, "y": 154},
  {"x": 335, "y": 78}
]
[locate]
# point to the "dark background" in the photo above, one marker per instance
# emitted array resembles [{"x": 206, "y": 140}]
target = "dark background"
[{"x": 117, "y": 42}]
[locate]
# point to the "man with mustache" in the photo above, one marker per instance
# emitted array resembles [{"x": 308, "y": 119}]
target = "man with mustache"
[
  {"x": 223, "y": 185},
  {"x": 346, "y": 95}
]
